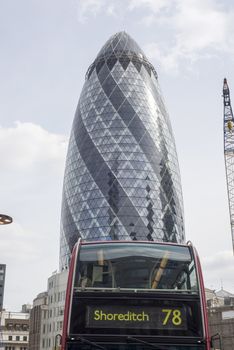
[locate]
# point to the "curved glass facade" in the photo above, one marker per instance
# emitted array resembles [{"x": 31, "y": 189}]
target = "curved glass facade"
[{"x": 122, "y": 177}]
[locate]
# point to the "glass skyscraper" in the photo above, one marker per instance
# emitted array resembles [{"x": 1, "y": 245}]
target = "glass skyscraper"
[{"x": 122, "y": 178}]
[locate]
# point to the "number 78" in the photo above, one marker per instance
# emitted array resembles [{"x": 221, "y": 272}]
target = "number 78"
[{"x": 174, "y": 315}]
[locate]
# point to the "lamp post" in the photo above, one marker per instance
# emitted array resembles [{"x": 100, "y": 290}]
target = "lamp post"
[{"x": 5, "y": 219}]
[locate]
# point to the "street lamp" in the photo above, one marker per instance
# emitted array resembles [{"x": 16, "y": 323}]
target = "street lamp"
[{"x": 5, "y": 219}]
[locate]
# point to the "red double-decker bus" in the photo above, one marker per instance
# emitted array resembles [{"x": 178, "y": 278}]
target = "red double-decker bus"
[{"x": 135, "y": 296}]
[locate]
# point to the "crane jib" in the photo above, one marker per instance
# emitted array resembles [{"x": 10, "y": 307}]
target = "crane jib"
[{"x": 229, "y": 151}]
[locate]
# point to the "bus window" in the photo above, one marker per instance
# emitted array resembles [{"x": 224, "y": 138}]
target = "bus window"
[{"x": 133, "y": 266}]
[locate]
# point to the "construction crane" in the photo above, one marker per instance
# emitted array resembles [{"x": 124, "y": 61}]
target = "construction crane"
[{"x": 228, "y": 128}]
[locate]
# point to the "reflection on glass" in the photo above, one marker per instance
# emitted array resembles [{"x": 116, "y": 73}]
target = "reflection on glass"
[{"x": 136, "y": 266}]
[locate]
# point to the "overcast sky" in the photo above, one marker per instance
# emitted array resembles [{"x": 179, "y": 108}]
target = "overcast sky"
[{"x": 45, "y": 50}]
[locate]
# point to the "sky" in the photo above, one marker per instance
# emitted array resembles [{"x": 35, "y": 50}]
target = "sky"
[{"x": 46, "y": 48}]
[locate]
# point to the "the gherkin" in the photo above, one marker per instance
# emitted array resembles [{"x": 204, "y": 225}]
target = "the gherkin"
[{"x": 122, "y": 176}]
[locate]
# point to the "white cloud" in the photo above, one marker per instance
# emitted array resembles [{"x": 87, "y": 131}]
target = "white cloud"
[
  {"x": 199, "y": 24},
  {"x": 194, "y": 29},
  {"x": 26, "y": 145},
  {"x": 199, "y": 29},
  {"x": 32, "y": 167},
  {"x": 92, "y": 8},
  {"x": 88, "y": 7},
  {"x": 154, "y": 6},
  {"x": 218, "y": 270}
]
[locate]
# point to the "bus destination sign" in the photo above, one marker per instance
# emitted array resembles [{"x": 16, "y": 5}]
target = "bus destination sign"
[{"x": 148, "y": 317}]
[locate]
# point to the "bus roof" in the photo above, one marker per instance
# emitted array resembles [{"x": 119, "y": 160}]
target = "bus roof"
[{"x": 136, "y": 242}]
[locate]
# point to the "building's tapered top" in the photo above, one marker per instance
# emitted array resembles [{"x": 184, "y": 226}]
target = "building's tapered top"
[
  {"x": 120, "y": 43},
  {"x": 121, "y": 47}
]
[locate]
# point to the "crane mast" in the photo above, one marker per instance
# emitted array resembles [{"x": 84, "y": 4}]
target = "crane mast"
[{"x": 228, "y": 128}]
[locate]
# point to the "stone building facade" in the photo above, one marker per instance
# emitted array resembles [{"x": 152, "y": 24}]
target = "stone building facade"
[
  {"x": 46, "y": 319},
  {"x": 14, "y": 330},
  {"x": 37, "y": 315},
  {"x": 221, "y": 316}
]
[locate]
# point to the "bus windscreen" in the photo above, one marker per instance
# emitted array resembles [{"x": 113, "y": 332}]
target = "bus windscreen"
[{"x": 145, "y": 266}]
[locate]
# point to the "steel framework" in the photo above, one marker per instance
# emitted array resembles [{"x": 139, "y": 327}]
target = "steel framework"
[{"x": 228, "y": 128}]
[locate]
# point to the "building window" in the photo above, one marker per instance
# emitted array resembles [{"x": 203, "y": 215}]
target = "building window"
[
  {"x": 25, "y": 338},
  {"x": 227, "y": 301},
  {"x": 17, "y": 338}
]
